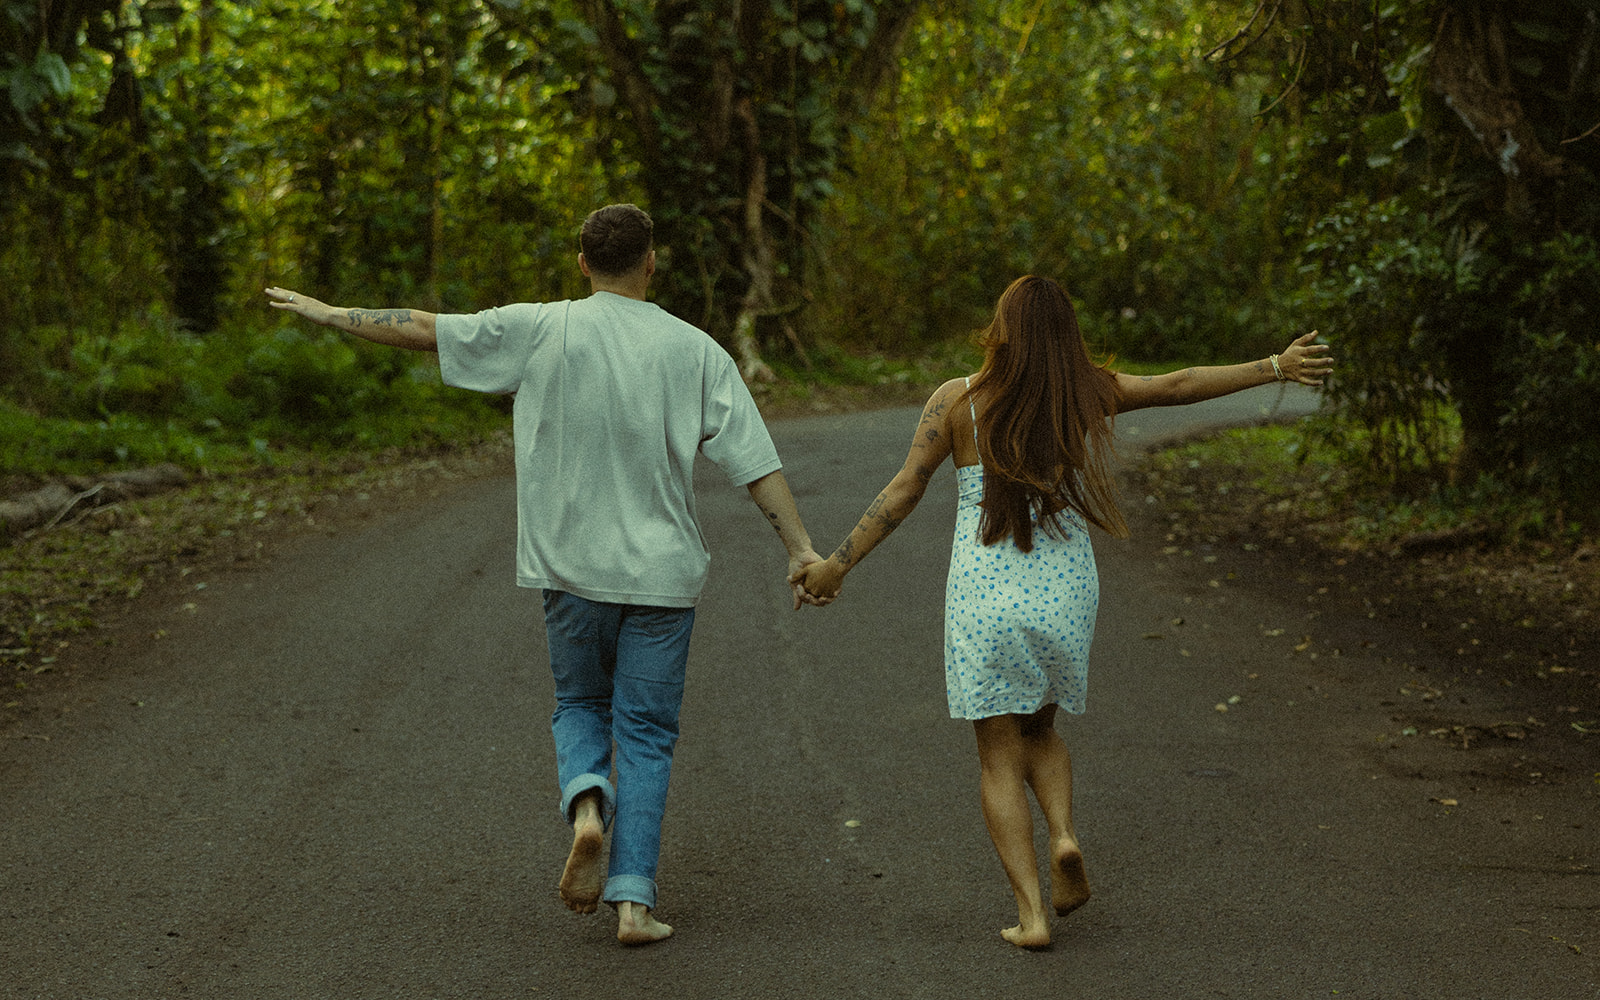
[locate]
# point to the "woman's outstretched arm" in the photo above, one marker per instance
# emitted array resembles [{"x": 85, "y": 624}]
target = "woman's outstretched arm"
[
  {"x": 929, "y": 448},
  {"x": 1303, "y": 362}
]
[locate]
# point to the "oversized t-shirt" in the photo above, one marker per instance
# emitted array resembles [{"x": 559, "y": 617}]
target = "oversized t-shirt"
[{"x": 615, "y": 396}]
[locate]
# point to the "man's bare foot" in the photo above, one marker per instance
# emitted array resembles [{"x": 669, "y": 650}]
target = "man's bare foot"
[
  {"x": 1069, "y": 884},
  {"x": 1031, "y": 933},
  {"x": 580, "y": 882},
  {"x": 637, "y": 925}
]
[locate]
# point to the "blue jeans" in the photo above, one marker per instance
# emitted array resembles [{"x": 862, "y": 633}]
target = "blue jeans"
[{"x": 619, "y": 672}]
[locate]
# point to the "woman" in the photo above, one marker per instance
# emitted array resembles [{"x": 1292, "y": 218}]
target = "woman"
[{"x": 1030, "y": 437}]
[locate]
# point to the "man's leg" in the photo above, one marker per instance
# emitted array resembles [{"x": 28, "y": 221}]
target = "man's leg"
[
  {"x": 652, "y": 656},
  {"x": 581, "y": 636}
]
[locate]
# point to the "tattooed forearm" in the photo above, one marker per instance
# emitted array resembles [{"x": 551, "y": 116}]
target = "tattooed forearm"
[
  {"x": 772, "y": 518},
  {"x": 846, "y": 552},
  {"x": 878, "y": 512},
  {"x": 378, "y": 317}
]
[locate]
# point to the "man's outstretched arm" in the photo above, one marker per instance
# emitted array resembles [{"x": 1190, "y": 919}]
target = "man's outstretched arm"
[
  {"x": 771, "y": 494},
  {"x": 411, "y": 329}
]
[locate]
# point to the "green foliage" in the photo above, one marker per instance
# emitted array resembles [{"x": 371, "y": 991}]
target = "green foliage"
[
  {"x": 1080, "y": 141},
  {"x": 739, "y": 124},
  {"x": 1554, "y": 373},
  {"x": 153, "y": 393},
  {"x": 1287, "y": 482},
  {"x": 1382, "y": 281},
  {"x": 1335, "y": 165},
  {"x": 1451, "y": 230}
]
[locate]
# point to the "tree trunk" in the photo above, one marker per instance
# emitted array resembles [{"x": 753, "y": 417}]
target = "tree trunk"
[{"x": 757, "y": 258}]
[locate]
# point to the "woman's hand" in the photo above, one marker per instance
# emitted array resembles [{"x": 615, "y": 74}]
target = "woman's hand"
[
  {"x": 1305, "y": 362},
  {"x": 820, "y": 582}
]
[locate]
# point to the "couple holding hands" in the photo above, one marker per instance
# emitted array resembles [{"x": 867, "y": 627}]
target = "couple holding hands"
[{"x": 614, "y": 399}]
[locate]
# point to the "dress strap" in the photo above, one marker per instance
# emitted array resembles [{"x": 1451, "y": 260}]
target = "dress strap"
[{"x": 971, "y": 408}]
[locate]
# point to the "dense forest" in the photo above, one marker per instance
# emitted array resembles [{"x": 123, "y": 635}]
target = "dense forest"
[{"x": 1418, "y": 180}]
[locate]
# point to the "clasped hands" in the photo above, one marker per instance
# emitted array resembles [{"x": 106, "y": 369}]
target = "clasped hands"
[{"x": 816, "y": 581}]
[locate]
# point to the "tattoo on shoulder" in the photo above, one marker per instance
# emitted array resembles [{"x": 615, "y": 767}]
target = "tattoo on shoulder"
[{"x": 379, "y": 317}]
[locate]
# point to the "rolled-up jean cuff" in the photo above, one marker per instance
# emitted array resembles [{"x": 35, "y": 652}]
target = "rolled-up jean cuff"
[
  {"x": 583, "y": 783},
  {"x": 630, "y": 889}
]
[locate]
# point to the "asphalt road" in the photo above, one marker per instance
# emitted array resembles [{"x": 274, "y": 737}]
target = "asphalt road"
[{"x": 332, "y": 778}]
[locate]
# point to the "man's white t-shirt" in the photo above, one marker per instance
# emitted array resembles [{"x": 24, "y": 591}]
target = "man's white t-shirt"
[{"x": 615, "y": 396}]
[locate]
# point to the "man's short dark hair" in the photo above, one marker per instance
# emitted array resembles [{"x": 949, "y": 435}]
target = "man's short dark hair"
[{"x": 615, "y": 239}]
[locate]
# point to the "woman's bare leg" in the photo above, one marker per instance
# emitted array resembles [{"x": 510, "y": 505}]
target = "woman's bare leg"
[
  {"x": 1003, "y": 759},
  {"x": 1050, "y": 776}
]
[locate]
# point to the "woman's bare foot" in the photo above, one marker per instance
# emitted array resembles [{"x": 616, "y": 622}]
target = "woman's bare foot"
[
  {"x": 580, "y": 881},
  {"x": 1032, "y": 932},
  {"x": 637, "y": 925},
  {"x": 1069, "y": 884}
]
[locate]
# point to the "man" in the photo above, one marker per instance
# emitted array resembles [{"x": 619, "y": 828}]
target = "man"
[{"x": 614, "y": 398}]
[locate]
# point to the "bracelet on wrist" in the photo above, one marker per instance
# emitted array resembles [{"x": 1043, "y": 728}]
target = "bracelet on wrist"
[{"x": 1276, "y": 370}]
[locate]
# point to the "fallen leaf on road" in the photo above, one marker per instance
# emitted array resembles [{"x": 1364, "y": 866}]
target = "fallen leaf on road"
[{"x": 1445, "y": 802}]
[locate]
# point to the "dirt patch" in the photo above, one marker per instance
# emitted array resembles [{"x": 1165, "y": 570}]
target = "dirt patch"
[{"x": 1517, "y": 621}]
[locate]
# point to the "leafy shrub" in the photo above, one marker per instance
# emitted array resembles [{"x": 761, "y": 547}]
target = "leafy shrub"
[
  {"x": 152, "y": 393},
  {"x": 1549, "y": 411},
  {"x": 1381, "y": 278}
]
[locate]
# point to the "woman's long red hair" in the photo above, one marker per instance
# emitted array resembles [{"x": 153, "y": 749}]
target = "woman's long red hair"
[{"x": 1042, "y": 414}]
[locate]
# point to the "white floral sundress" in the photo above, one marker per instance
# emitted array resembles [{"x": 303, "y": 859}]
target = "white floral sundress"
[{"x": 1017, "y": 625}]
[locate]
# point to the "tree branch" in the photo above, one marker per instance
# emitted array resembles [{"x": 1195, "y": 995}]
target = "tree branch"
[
  {"x": 622, "y": 58},
  {"x": 1592, "y": 130},
  {"x": 1242, "y": 32},
  {"x": 1305, "y": 47}
]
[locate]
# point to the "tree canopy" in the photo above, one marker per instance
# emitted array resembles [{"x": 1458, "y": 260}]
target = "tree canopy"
[{"x": 1208, "y": 177}]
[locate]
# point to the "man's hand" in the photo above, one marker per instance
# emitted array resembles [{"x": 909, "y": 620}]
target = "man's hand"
[
  {"x": 303, "y": 306},
  {"x": 797, "y": 565}
]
